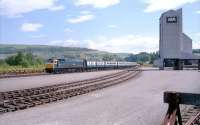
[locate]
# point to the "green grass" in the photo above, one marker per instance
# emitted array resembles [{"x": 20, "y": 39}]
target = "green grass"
[{"x": 20, "y": 69}]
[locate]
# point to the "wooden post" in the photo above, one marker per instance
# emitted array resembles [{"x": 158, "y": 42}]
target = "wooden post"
[
  {"x": 173, "y": 112},
  {"x": 174, "y": 99}
]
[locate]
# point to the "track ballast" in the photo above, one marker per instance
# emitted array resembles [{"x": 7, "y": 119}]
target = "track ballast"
[{"x": 22, "y": 99}]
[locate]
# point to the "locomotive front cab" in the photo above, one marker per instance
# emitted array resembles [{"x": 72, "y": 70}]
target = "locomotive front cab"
[{"x": 50, "y": 65}]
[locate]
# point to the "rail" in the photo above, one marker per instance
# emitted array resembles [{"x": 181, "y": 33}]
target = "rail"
[
  {"x": 21, "y": 99},
  {"x": 173, "y": 115}
]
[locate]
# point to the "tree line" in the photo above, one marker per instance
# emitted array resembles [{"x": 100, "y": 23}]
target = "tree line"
[
  {"x": 143, "y": 57},
  {"x": 23, "y": 60}
]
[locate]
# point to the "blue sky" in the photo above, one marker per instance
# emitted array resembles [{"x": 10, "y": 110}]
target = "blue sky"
[{"x": 110, "y": 25}]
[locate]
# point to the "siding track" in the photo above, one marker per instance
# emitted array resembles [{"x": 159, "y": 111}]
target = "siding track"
[
  {"x": 21, "y": 99},
  {"x": 192, "y": 116}
]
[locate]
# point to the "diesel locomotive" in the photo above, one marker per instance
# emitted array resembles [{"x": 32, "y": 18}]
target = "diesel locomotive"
[{"x": 63, "y": 65}]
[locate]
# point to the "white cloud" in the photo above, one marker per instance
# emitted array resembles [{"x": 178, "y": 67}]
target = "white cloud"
[
  {"x": 55, "y": 42},
  {"x": 196, "y": 40},
  {"x": 81, "y": 18},
  {"x": 197, "y": 34},
  {"x": 68, "y": 43},
  {"x": 55, "y": 8},
  {"x": 198, "y": 11},
  {"x": 112, "y": 26},
  {"x": 97, "y": 3},
  {"x": 156, "y": 5},
  {"x": 196, "y": 45},
  {"x": 13, "y": 8},
  {"x": 127, "y": 43},
  {"x": 31, "y": 27}
]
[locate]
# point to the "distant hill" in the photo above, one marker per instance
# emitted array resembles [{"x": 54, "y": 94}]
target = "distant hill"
[
  {"x": 196, "y": 51},
  {"x": 46, "y": 52}
]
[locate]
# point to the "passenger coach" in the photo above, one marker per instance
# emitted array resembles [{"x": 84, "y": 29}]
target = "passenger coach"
[{"x": 62, "y": 65}]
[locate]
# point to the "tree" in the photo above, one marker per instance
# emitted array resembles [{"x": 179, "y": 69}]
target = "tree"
[
  {"x": 154, "y": 56},
  {"x": 107, "y": 57},
  {"x": 23, "y": 60},
  {"x": 2, "y": 62},
  {"x": 143, "y": 57},
  {"x": 131, "y": 58},
  {"x": 30, "y": 58},
  {"x": 19, "y": 58},
  {"x": 10, "y": 60}
]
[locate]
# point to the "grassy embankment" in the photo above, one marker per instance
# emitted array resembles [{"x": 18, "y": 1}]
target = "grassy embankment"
[
  {"x": 20, "y": 69},
  {"x": 21, "y": 63}
]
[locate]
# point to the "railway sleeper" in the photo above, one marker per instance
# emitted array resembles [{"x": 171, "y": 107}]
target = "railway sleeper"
[
  {"x": 37, "y": 103},
  {"x": 1, "y": 104},
  {"x": 76, "y": 93},
  {"x": 46, "y": 100},
  {"x": 52, "y": 99},
  {"x": 44, "y": 97},
  {"x": 27, "y": 99},
  {"x": 41, "y": 91},
  {"x": 35, "y": 98},
  {"x": 82, "y": 92},
  {"x": 44, "y": 91},
  {"x": 53, "y": 96},
  {"x": 30, "y": 105},
  {"x": 28, "y": 93},
  {"x": 59, "y": 97},
  {"x": 1, "y": 97},
  {"x": 10, "y": 108},
  {"x": 3, "y": 110},
  {"x": 7, "y": 96},
  {"x": 71, "y": 95},
  {"x": 193, "y": 121},
  {"x": 21, "y": 106},
  {"x": 31, "y": 91},
  {"x": 36, "y": 92},
  {"x": 64, "y": 96}
]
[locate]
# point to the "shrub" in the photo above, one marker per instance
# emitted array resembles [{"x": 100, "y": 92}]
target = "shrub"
[{"x": 24, "y": 60}]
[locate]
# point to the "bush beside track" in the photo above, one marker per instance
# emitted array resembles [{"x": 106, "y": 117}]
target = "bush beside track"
[
  {"x": 20, "y": 70},
  {"x": 21, "y": 64}
]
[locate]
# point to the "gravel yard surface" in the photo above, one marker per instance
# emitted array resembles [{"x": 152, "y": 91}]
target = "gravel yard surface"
[
  {"x": 7, "y": 84},
  {"x": 136, "y": 102}
]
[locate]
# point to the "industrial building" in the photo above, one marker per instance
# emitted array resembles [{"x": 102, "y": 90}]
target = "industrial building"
[{"x": 175, "y": 47}]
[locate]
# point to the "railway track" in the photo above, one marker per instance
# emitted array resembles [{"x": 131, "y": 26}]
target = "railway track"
[
  {"x": 21, "y": 99},
  {"x": 192, "y": 116},
  {"x": 12, "y": 75},
  {"x": 26, "y": 74}
]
